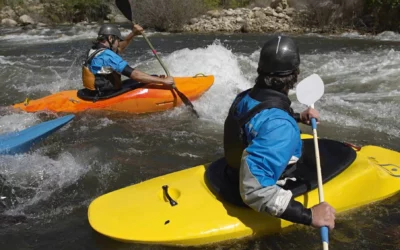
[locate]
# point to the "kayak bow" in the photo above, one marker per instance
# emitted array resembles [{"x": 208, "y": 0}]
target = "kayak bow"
[{"x": 21, "y": 141}]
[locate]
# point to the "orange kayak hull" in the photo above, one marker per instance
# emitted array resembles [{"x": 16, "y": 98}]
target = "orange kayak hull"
[{"x": 151, "y": 98}]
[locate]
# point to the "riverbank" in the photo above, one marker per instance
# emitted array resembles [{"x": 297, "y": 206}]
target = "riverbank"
[
  {"x": 274, "y": 18},
  {"x": 255, "y": 20},
  {"x": 32, "y": 13},
  {"x": 244, "y": 20}
]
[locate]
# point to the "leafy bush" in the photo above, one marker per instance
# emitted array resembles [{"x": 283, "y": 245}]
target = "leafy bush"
[
  {"x": 11, "y": 3},
  {"x": 77, "y": 10},
  {"x": 260, "y": 3},
  {"x": 213, "y": 4},
  {"x": 382, "y": 15},
  {"x": 167, "y": 15},
  {"x": 331, "y": 14},
  {"x": 369, "y": 15}
]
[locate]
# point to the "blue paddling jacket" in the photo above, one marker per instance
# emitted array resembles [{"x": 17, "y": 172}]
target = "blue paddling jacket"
[
  {"x": 261, "y": 138},
  {"x": 103, "y": 68}
]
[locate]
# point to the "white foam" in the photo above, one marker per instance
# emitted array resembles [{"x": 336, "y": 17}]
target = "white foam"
[
  {"x": 369, "y": 75},
  {"x": 378, "y": 67},
  {"x": 35, "y": 36},
  {"x": 376, "y": 115},
  {"x": 5, "y": 61},
  {"x": 77, "y": 32},
  {"x": 361, "y": 88},
  {"x": 215, "y": 59},
  {"x": 38, "y": 176},
  {"x": 17, "y": 122},
  {"x": 384, "y": 36},
  {"x": 188, "y": 155},
  {"x": 103, "y": 122}
]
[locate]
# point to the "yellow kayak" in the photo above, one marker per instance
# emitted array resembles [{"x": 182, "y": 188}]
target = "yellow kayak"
[{"x": 182, "y": 208}]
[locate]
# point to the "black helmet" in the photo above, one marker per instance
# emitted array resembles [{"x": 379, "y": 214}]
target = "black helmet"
[
  {"x": 279, "y": 57},
  {"x": 110, "y": 29}
]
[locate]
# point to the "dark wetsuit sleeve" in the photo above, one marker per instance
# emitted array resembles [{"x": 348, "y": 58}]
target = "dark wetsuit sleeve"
[
  {"x": 296, "y": 212},
  {"x": 296, "y": 116},
  {"x": 127, "y": 71}
]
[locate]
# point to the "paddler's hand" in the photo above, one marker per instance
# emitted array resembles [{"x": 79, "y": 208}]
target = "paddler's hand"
[
  {"x": 137, "y": 30},
  {"x": 168, "y": 81},
  {"x": 323, "y": 214},
  {"x": 306, "y": 115}
]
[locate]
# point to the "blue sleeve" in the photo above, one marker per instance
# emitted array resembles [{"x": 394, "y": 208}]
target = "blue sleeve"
[
  {"x": 271, "y": 149},
  {"x": 108, "y": 59}
]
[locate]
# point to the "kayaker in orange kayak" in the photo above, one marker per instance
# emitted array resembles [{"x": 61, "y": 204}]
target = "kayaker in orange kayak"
[{"x": 103, "y": 67}]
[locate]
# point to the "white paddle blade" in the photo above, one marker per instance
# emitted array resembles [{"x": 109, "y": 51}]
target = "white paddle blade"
[{"x": 310, "y": 90}]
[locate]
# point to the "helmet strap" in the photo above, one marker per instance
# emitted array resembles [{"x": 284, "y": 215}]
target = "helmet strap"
[{"x": 113, "y": 39}]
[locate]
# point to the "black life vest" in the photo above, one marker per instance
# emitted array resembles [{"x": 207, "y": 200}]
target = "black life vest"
[
  {"x": 222, "y": 176},
  {"x": 235, "y": 140}
]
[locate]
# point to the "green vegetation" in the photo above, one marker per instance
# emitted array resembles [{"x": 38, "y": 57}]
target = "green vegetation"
[
  {"x": 226, "y": 3},
  {"x": 326, "y": 15},
  {"x": 76, "y": 10},
  {"x": 168, "y": 15},
  {"x": 365, "y": 15},
  {"x": 172, "y": 14},
  {"x": 392, "y": 4},
  {"x": 382, "y": 15},
  {"x": 11, "y": 3}
]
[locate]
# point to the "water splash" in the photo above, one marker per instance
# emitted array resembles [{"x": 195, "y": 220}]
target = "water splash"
[
  {"x": 43, "y": 35},
  {"x": 384, "y": 36},
  {"x": 31, "y": 178},
  {"x": 17, "y": 122},
  {"x": 353, "y": 80},
  {"x": 214, "y": 59}
]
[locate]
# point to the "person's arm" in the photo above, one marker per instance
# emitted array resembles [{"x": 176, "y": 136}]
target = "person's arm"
[
  {"x": 142, "y": 77},
  {"x": 263, "y": 162},
  {"x": 121, "y": 66},
  {"x": 136, "y": 30}
]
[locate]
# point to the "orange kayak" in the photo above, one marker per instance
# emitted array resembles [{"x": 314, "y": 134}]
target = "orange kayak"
[{"x": 144, "y": 99}]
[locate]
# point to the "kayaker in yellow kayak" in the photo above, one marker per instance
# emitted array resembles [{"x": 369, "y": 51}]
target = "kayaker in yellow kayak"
[
  {"x": 262, "y": 140},
  {"x": 103, "y": 67}
]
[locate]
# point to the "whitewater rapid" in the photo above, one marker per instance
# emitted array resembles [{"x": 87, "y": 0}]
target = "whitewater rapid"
[{"x": 361, "y": 91}]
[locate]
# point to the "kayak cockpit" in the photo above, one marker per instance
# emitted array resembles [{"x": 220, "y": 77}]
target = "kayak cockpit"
[
  {"x": 94, "y": 95},
  {"x": 335, "y": 157}
]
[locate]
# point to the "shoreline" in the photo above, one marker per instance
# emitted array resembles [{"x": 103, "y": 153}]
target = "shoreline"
[
  {"x": 218, "y": 21},
  {"x": 124, "y": 25}
]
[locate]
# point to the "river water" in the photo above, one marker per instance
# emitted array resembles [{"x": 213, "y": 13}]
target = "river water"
[{"x": 46, "y": 192}]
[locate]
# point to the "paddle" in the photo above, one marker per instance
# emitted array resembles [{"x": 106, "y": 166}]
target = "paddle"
[
  {"x": 308, "y": 91},
  {"x": 125, "y": 7}
]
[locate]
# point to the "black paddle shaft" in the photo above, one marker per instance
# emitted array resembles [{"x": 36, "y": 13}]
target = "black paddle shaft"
[{"x": 125, "y": 7}]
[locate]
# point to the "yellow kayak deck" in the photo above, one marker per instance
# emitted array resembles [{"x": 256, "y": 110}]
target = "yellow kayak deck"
[{"x": 142, "y": 213}]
